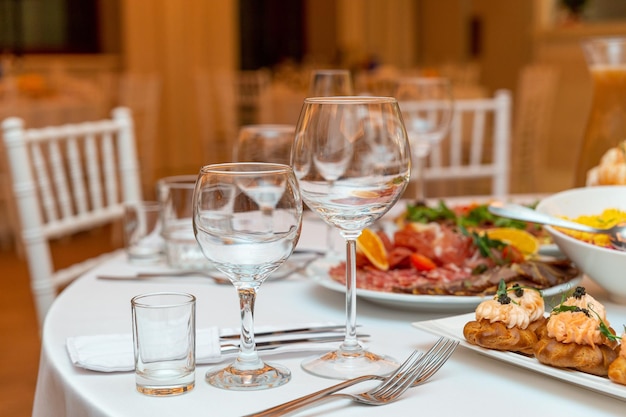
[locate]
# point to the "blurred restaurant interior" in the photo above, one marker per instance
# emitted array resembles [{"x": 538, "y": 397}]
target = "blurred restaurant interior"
[{"x": 175, "y": 65}]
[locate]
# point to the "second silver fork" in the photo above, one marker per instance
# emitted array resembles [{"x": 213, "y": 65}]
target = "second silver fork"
[{"x": 416, "y": 370}]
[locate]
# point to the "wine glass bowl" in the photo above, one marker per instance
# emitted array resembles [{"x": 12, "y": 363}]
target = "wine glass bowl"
[
  {"x": 352, "y": 159},
  {"x": 264, "y": 143},
  {"x": 247, "y": 220},
  {"x": 427, "y": 106},
  {"x": 330, "y": 82}
]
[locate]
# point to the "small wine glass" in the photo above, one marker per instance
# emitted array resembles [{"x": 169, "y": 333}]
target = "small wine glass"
[
  {"x": 231, "y": 228},
  {"x": 427, "y": 105},
  {"x": 330, "y": 83},
  {"x": 264, "y": 143},
  {"x": 364, "y": 139}
]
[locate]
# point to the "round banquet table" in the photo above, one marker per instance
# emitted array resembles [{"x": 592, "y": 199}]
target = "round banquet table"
[{"x": 469, "y": 384}]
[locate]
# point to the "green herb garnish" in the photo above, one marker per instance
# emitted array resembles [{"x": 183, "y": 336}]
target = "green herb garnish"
[
  {"x": 484, "y": 244},
  {"x": 502, "y": 294},
  {"x": 424, "y": 214}
]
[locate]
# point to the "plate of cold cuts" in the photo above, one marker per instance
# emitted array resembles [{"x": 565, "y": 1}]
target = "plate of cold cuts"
[{"x": 394, "y": 290}]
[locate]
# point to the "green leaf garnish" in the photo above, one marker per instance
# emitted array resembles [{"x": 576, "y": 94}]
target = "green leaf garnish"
[
  {"x": 425, "y": 214},
  {"x": 484, "y": 244},
  {"x": 502, "y": 294}
]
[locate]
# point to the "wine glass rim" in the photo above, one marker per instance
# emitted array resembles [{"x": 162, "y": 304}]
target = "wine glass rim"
[
  {"x": 350, "y": 100},
  {"x": 245, "y": 168}
]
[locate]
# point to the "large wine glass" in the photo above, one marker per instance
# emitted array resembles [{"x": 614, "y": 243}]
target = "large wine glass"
[
  {"x": 232, "y": 203},
  {"x": 330, "y": 83},
  {"x": 364, "y": 139},
  {"x": 427, "y": 105}
]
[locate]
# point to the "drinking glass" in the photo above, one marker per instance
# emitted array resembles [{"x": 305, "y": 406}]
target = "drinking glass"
[
  {"x": 364, "y": 140},
  {"x": 181, "y": 248},
  {"x": 329, "y": 83},
  {"x": 247, "y": 219},
  {"x": 427, "y": 105},
  {"x": 264, "y": 143},
  {"x": 606, "y": 123}
]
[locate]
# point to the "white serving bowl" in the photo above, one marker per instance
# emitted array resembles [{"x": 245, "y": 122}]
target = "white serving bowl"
[{"x": 607, "y": 267}]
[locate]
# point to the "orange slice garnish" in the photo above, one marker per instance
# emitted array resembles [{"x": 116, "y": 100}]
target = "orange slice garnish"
[
  {"x": 371, "y": 245},
  {"x": 521, "y": 239}
]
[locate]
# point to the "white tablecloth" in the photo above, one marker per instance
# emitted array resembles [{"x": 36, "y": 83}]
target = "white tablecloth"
[{"x": 469, "y": 384}]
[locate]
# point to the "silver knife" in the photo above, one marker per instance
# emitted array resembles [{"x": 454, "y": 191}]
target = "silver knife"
[
  {"x": 273, "y": 344},
  {"x": 306, "y": 329}
]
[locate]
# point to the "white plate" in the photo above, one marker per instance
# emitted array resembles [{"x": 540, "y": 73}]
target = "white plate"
[
  {"x": 318, "y": 270},
  {"x": 453, "y": 327}
]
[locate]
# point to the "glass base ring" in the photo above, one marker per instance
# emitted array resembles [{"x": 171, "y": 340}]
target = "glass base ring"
[
  {"x": 231, "y": 378},
  {"x": 345, "y": 365}
]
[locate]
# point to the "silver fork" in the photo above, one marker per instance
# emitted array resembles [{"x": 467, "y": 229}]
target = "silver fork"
[{"x": 416, "y": 370}]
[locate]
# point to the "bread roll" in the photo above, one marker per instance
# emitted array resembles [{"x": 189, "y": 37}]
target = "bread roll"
[
  {"x": 617, "y": 368},
  {"x": 590, "y": 359},
  {"x": 497, "y": 336}
]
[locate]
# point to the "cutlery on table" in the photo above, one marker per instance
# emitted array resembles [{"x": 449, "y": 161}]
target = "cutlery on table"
[
  {"x": 297, "y": 330},
  {"x": 415, "y": 370},
  {"x": 226, "y": 348},
  {"x": 617, "y": 233}
]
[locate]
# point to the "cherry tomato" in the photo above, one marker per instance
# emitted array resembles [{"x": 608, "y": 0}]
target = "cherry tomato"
[
  {"x": 421, "y": 262},
  {"x": 512, "y": 255}
]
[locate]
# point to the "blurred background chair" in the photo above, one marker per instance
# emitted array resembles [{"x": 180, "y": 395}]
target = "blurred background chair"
[
  {"x": 253, "y": 96},
  {"x": 66, "y": 179},
  {"x": 473, "y": 159},
  {"x": 216, "y": 106},
  {"x": 141, "y": 93},
  {"x": 537, "y": 87}
]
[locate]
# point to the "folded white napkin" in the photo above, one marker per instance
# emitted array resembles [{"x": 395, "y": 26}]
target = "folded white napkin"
[{"x": 114, "y": 352}]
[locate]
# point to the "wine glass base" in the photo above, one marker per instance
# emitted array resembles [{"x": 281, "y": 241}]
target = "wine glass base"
[
  {"x": 231, "y": 378},
  {"x": 347, "y": 365}
]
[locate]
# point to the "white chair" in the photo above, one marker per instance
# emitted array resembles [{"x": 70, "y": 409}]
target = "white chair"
[
  {"x": 66, "y": 179},
  {"x": 476, "y": 148}
]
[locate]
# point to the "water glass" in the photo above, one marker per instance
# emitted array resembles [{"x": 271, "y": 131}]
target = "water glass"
[
  {"x": 181, "y": 248},
  {"x": 164, "y": 341},
  {"x": 247, "y": 218},
  {"x": 142, "y": 232}
]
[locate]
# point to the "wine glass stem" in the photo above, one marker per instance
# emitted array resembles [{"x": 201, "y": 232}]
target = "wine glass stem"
[
  {"x": 248, "y": 356},
  {"x": 350, "y": 342}
]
